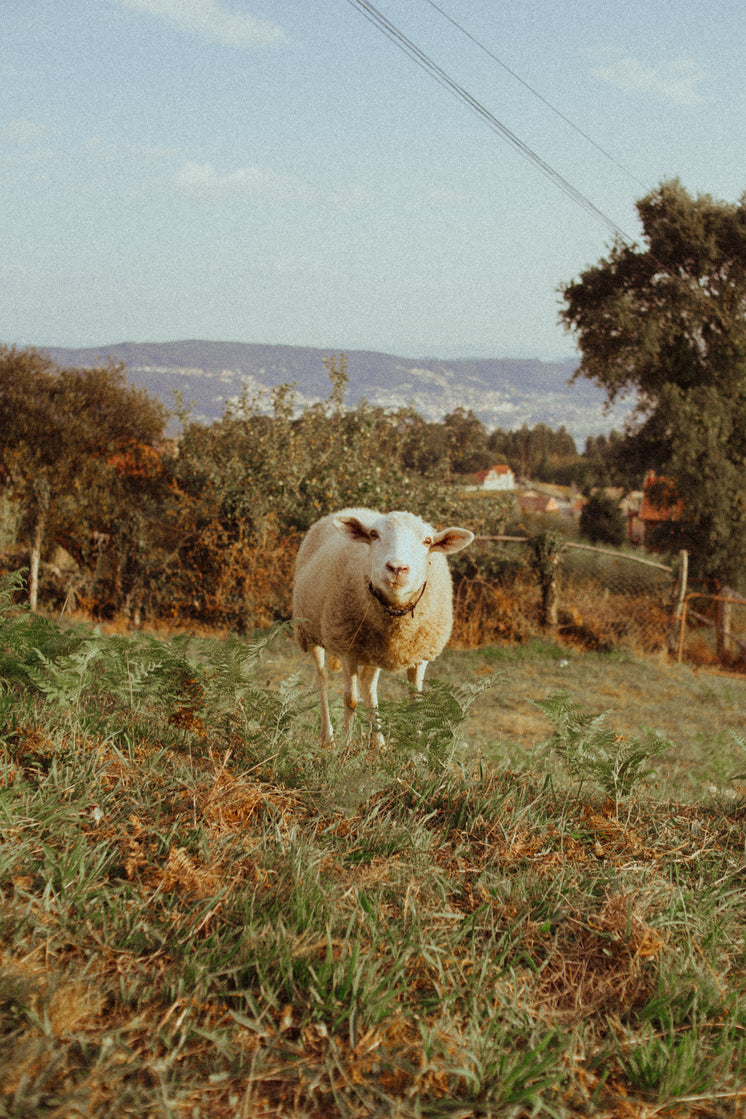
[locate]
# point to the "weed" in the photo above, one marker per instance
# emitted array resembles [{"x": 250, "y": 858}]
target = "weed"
[
  {"x": 592, "y": 750},
  {"x": 428, "y": 725}
]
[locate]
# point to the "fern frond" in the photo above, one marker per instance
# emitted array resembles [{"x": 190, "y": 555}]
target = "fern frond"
[
  {"x": 590, "y": 749},
  {"x": 428, "y": 723}
]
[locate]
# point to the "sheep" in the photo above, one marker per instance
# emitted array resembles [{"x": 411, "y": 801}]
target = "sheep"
[{"x": 373, "y": 592}]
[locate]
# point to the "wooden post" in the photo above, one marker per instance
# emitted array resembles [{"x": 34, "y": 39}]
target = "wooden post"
[
  {"x": 678, "y": 621},
  {"x": 550, "y": 602},
  {"x": 726, "y": 647},
  {"x": 41, "y": 497},
  {"x": 546, "y": 552}
]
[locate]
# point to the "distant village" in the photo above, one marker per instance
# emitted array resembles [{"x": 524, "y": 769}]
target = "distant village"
[{"x": 638, "y": 507}]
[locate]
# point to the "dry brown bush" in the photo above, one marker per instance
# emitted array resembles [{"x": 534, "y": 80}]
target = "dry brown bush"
[
  {"x": 487, "y": 612},
  {"x": 596, "y": 618}
]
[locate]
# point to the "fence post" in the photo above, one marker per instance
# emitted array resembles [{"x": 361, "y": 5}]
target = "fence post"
[
  {"x": 678, "y": 620},
  {"x": 546, "y": 551},
  {"x": 724, "y": 642}
]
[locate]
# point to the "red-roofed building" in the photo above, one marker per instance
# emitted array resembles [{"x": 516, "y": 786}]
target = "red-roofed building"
[
  {"x": 532, "y": 502},
  {"x": 497, "y": 478},
  {"x": 659, "y": 504}
]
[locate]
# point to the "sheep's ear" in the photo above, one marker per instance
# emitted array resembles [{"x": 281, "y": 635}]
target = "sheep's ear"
[
  {"x": 451, "y": 540},
  {"x": 353, "y": 529}
]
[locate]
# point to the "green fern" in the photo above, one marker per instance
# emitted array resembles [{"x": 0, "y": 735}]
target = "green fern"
[
  {"x": 36, "y": 653},
  {"x": 591, "y": 750},
  {"x": 74, "y": 666},
  {"x": 740, "y": 741},
  {"x": 428, "y": 723}
]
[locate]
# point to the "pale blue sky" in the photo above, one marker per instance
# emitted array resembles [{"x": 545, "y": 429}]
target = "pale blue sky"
[{"x": 277, "y": 171}]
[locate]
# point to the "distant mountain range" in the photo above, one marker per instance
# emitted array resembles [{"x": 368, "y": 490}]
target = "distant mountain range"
[{"x": 504, "y": 392}]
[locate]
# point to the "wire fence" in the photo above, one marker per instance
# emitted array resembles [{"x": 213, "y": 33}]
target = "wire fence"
[
  {"x": 508, "y": 590},
  {"x": 617, "y": 599},
  {"x": 595, "y": 597},
  {"x": 712, "y": 629}
]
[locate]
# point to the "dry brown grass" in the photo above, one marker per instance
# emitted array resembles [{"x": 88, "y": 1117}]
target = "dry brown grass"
[
  {"x": 590, "y": 617},
  {"x": 195, "y": 923}
]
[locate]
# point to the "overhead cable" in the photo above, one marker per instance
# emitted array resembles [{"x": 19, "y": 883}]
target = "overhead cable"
[
  {"x": 374, "y": 16},
  {"x": 554, "y": 109},
  {"x": 535, "y": 92}
]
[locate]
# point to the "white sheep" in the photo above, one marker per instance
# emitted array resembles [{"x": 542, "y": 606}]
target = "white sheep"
[{"x": 373, "y": 591}]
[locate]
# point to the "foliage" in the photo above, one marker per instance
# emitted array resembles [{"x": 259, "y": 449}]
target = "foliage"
[
  {"x": 467, "y": 438},
  {"x": 77, "y": 448},
  {"x": 430, "y": 726},
  {"x": 253, "y": 483},
  {"x": 538, "y": 452},
  {"x": 291, "y": 469},
  {"x": 205, "y": 528},
  {"x": 202, "y": 914},
  {"x": 601, "y": 520},
  {"x": 591, "y": 749},
  {"x": 667, "y": 323}
]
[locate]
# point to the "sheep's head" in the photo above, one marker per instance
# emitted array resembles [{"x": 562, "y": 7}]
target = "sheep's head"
[{"x": 400, "y": 549}]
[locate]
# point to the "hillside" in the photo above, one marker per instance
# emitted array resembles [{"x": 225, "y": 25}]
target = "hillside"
[
  {"x": 504, "y": 393},
  {"x": 205, "y": 913}
]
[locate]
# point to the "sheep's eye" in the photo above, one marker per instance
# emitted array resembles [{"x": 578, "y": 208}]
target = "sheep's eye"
[
  {"x": 373, "y": 534},
  {"x": 428, "y": 541}
]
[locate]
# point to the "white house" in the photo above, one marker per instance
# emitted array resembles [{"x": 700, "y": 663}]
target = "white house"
[{"x": 497, "y": 478}]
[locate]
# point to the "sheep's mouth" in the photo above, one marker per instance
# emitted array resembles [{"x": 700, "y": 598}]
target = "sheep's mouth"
[{"x": 397, "y": 610}]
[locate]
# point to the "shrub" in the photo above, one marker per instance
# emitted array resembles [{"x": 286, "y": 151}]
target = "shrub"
[{"x": 602, "y": 521}]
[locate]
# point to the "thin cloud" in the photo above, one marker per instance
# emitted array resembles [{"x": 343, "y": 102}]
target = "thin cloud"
[
  {"x": 205, "y": 180},
  {"x": 23, "y": 146},
  {"x": 23, "y": 132},
  {"x": 212, "y": 19},
  {"x": 111, "y": 151},
  {"x": 675, "y": 81}
]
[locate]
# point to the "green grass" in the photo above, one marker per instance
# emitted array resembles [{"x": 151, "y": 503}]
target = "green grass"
[{"x": 205, "y": 914}]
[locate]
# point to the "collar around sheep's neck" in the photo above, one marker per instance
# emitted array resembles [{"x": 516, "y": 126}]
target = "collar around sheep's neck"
[{"x": 396, "y": 611}]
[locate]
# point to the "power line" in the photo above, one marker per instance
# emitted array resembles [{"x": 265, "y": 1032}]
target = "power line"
[
  {"x": 374, "y": 16},
  {"x": 535, "y": 92}
]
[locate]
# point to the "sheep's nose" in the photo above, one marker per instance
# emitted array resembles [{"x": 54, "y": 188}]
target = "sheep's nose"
[{"x": 397, "y": 569}]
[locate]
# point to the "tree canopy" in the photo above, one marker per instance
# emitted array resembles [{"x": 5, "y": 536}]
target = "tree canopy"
[
  {"x": 73, "y": 443},
  {"x": 206, "y": 527},
  {"x": 667, "y": 322}
]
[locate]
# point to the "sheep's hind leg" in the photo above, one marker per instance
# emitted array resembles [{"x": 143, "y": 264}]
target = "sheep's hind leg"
[
  {"x": 369, "y": 683},
  {"x": 416, "y": 678},
  {"x": 349, "y": 667},
  {"x": 416, "y": 675},
  {"x": 322, "y": 682}
]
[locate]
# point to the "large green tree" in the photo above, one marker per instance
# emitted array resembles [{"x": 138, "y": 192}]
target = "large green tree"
[
  {"x": 666, "y": 321},
  {"x": 68, "y": 439},
  {"x": 468, "y": 438}
]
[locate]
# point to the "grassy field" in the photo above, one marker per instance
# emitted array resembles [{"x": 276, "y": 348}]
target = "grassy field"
[
  {"x": 501, "y": 914},
  {"x": 702, "y": 713}
]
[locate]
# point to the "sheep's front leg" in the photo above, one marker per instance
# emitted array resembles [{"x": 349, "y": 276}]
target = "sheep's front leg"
[
  {"x": 349, "y": 667},
  {"x": 416, "y": 675},
  {"x": 322, "y": 682},
  {"x": 369, "y": 682}
]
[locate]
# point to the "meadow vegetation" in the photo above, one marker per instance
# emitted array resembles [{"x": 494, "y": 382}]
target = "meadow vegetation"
[
  {"x": 204, "y": 529},
  {"x": 529, "y": 903},
  {"x": 206, "y": 914}
]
